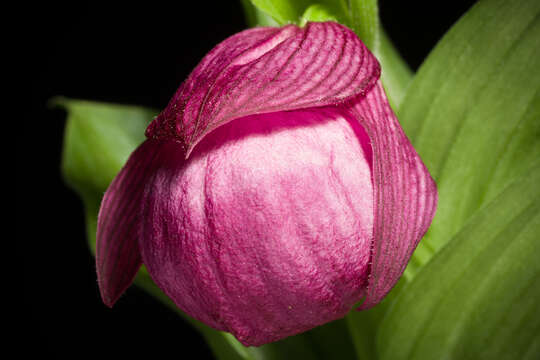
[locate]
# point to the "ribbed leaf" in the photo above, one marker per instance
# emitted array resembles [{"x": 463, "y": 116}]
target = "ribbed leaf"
[
  {"x": 478, "y": 297},
  {"x": 473, "y": 114},
  {"x": 473, "y": 111}
]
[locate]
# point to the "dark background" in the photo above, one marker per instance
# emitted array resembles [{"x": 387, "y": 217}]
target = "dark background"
[{"x": 137, "y": 54}]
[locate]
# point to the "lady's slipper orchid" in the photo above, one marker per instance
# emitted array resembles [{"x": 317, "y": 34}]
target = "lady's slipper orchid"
[{"x": 275, "y": 191}]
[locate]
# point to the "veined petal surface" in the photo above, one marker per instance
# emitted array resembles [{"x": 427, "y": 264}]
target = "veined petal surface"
[
  {"x": 117, "y": 252},
  {"x": 404, "y": 192},
  {"x": 264, "y": 70}
]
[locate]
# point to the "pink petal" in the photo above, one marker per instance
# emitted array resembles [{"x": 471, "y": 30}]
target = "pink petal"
[
  {"x": 280, "y": 220},
  {"x": 267, "y": 69},
  {"x": 405, "y": 194},
  {"x": 117, "y": 253},
  {"x": 265, "y": 231}
]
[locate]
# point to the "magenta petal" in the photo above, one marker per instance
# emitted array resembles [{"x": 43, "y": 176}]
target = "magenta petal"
[
  {"x": 117, "y": 253},
  {"x": 267, "y": 69},
  {"x": 310, "y": 200},
  {"x": 405, "y": 195}
]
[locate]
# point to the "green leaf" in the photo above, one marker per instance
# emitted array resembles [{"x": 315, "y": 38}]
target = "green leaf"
[
  {"x": 255, "y": 16},
  {"x": 329, "y": 341},
  {"x": 362, "y": 16},
  {"x": 364, "y": 20},
  {"x": 98, "y": 139},
  {"x": 395, "y": 73},
  {"x": 316, "y": 13},
  {"x": 473, "y": 110},
  {"x": 283, "y": 11},
  {"x": 363, "y": 324},
  {"x": 478, "y": 297}
]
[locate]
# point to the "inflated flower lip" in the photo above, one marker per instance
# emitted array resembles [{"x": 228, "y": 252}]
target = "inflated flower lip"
[{"x": 310, "y": 200}]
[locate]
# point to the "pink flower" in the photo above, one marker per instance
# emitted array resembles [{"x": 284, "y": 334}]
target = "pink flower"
[{"x": 275, "y": 191}]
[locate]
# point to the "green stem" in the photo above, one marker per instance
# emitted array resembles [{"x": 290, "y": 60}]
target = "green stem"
[{"x": 396, "y": 74}]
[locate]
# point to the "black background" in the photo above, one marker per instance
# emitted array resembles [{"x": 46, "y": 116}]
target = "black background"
[{"x": 137, "y": 54}]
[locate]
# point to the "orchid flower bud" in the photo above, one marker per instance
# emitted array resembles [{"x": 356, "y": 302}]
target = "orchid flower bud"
[{"x": 275, "y": 191}]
